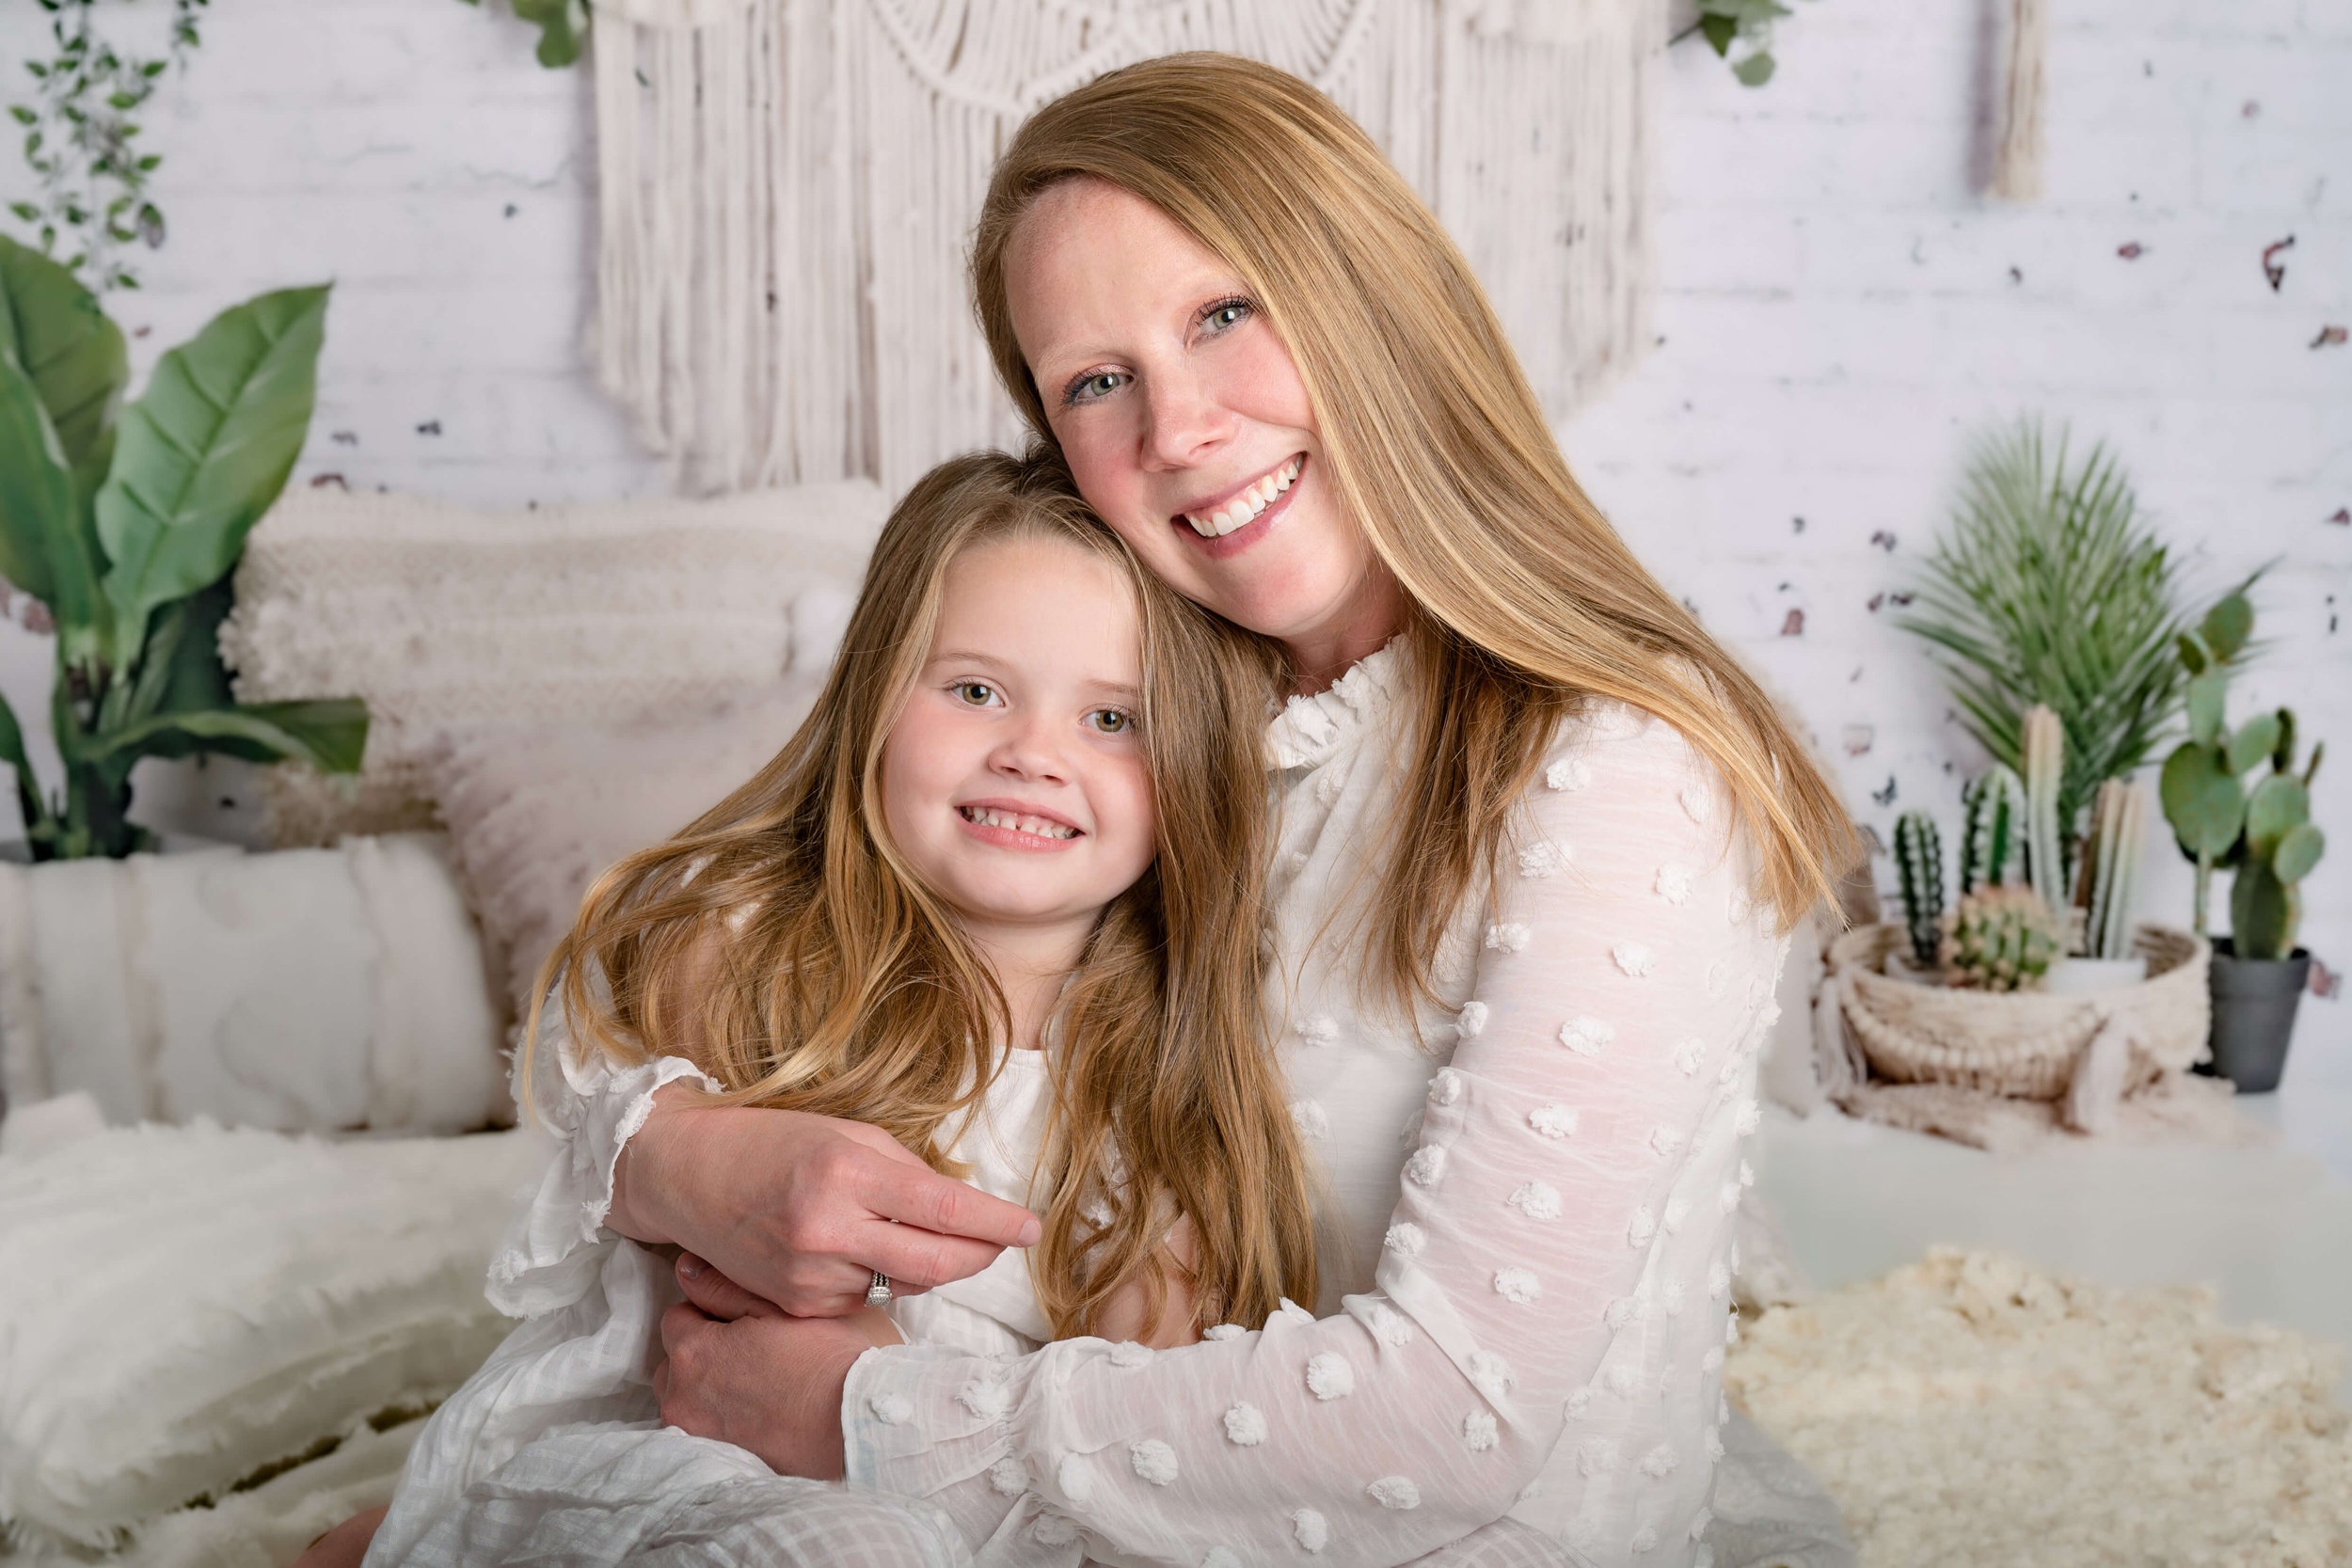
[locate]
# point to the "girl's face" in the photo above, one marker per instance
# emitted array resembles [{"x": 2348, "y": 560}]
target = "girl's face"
[
  {"x": 1015, "y": 782},
  {"x": 1184, "y": 419}
]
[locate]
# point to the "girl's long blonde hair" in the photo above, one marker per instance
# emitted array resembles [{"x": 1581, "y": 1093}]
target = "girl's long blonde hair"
[
  {"x": 783, "y": 941},
  {"x": 1525, "y": 601}
]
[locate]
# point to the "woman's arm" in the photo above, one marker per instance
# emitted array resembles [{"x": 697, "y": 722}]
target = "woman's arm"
[
  {"x": 802, "y": 1210},
  {"x": 1563, "y": 1229}
]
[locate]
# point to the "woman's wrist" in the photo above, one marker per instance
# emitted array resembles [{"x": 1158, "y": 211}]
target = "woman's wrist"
[{"x": 640, "y": 1171}]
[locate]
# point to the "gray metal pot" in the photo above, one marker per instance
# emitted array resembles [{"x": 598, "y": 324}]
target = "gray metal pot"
[{"x": 2253, "y": 1015}]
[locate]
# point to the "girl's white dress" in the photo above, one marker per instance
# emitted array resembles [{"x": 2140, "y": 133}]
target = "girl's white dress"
[
  {"x": 563, "y": 1413},
  {"x": 1526, "y": 1220}
]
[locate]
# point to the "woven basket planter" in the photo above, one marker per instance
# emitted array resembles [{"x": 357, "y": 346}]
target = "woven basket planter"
[{"x": 2021, "y": 1044}]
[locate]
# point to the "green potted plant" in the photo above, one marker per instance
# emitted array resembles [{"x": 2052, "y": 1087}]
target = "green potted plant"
[
  {"x": 2264, "y": 835},
  {"x": 2047, "y": 588},
  {"x": 127, "y": 528}
]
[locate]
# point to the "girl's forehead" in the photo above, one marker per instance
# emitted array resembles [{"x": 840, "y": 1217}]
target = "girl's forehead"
[{"x": 1044, "y": 601}]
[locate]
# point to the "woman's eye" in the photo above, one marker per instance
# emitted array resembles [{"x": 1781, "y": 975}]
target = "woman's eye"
[
  {"x": 1110, "y": 720},
  {"x": 1225, "y": 313},
  {"x": 975, "y": 693},
  {"x": 1088, "y": 389}
]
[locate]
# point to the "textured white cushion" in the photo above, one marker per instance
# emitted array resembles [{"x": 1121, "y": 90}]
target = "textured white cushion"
[
  {"x": 185, "y": 1305},
  {"x": 537, "y": 814},
  {"x": 441, "y": 615},
  {"x": 307, "y": 989}
]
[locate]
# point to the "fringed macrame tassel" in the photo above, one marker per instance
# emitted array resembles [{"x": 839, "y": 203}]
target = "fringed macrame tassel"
[
  {"x": 2017, "y": 158},
  {"x": 789, "y": 188}
]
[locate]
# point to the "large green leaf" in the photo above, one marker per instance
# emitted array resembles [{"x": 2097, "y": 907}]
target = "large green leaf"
[
  {"x": 2254, "y": 741},
  {"x": 73, "y": 354},
  {"x": 37, "y": 510},
  {"x": 2300, "y": 848},
  {"x": 563, "y": 28},
  {"x": 2277, "y": 803},
  {"x": 330, "y": 734},
  {"x": 204, "y": 451}
]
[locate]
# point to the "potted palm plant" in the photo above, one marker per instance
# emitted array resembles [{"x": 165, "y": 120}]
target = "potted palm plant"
[{"x": 125, "y": 523}]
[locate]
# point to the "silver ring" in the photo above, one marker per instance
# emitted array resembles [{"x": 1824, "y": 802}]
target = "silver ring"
[{"x": 878, "y": 1293}]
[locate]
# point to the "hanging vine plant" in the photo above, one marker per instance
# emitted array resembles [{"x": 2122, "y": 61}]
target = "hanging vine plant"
[
  {"x": 82, "y": 141},
  {"x": 563, "y": 28}
]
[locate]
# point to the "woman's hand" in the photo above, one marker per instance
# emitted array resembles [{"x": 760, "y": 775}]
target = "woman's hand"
[
  {"x": 739, "y": 1370},
  {"x": 804, "y": 1210}
]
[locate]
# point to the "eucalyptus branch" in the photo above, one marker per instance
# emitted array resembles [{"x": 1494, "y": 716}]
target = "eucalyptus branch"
[{"x": 82, "y": 141}]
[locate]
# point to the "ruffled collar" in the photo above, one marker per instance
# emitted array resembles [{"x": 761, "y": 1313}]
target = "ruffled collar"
[{"x": 1309, "y": 729}]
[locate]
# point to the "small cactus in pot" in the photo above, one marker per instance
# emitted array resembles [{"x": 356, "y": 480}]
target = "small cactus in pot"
[
  {"x": 2003, "y": 939},
  {"x": 1920, "y": 864},
  {"x": 1992, "y": 829}
]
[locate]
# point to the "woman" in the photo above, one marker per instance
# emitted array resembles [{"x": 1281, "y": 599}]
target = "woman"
[{"x": 1540, "y": 843}]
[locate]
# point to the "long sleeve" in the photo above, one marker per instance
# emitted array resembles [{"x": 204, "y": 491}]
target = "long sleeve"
[
  {"x": 590, "y": 1105},
  {"x": 1548, "y": 1332}
]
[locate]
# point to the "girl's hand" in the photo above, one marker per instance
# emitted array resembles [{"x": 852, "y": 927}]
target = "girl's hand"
[
  {"x": 804, "y": 1210},
  {"x": 737, "y": 1369}
]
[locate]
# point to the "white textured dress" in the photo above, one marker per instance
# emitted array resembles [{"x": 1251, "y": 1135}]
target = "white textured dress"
[
  {"x": 554, "y": 1449},
  {"x": 1525, "y": 1221},
  {"x": 1526, "y": 1255}
]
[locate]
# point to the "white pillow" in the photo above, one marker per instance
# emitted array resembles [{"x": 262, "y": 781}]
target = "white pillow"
[
  {"x": 309, "y": 990},
  {"x": 185, "y": 1306},
  {"x": 441, "y": 616}
]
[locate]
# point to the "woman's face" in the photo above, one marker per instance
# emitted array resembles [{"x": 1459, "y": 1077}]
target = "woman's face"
[{"x": 1185, "y": 424}]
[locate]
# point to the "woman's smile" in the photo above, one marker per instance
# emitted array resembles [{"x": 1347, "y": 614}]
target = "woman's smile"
[{"x": 1240, "y": 510}]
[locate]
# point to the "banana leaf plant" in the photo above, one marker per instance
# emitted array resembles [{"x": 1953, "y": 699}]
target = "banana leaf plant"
[{"x": 127, "y": 528}]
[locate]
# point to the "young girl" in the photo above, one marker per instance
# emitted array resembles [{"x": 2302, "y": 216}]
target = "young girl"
[{"x": 1000, "y": 897}]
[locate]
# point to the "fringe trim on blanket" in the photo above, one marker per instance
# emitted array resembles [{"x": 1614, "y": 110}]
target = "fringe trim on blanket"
[{"x": 788, "y": 188}]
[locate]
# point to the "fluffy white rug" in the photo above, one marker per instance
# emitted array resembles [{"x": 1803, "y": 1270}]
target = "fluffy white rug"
[{"x": 1972, "y": 1409}]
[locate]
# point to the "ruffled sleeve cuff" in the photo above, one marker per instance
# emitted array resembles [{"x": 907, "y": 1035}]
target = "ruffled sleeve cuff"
[
  {"x": 590, "y": 1106},
  {"x": 925, "y": 1421}
]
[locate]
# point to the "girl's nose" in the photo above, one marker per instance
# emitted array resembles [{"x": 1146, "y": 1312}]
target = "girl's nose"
[{"x": 1028, "y": 749}]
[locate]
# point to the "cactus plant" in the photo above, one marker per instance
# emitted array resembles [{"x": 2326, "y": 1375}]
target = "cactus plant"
[
  {"x": 1919, "y": 863},
  {"x": 2003, "y": 937},
  {"x": 2111, "y": 860},
  {"x": 1993, "y": 809},
  {"x": 2281, "y": 845},
  {"x": 2267, "y": 837},
  {"x": 2045, "y": 772}
]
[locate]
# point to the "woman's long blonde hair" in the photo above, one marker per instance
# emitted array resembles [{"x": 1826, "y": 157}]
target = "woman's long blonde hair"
[
  {"x": 782, "y": 941},
  {"x": 1525, "y": 601}
]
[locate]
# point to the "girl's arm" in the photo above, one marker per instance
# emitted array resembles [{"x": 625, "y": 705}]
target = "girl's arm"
[
  {"x": 1128, "y": 1315},
  {"x": 1556, "y": 1271}
]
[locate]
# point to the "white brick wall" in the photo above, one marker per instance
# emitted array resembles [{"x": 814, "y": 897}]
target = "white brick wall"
[{"x": 1839, "y": 315}]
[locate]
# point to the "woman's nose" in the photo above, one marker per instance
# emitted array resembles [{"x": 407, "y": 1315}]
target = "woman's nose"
[{"x": 1185, "y": 421}]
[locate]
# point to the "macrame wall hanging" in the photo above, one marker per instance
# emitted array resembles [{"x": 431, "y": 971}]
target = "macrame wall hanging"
[
  {"x": 2017, "y": 153},
  {"x": 788, "y": 188}
]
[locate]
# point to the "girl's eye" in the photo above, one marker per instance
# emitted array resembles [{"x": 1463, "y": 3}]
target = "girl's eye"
[
  {"x": 1110, "y": 720},
  {"x": 975, "y": 693},
  {"x": 1094, "y": 387}
]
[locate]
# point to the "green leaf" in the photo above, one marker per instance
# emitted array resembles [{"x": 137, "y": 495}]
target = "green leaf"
[
  {"x": 2300, "y": 848},
  {"x": 2263, "y": 914},
  {"x": 2228, "y": 625},
  {"x": 563, "y": 28},
  {"x": 73, "y": 354},
  {"x": 1754, "y": 71},
  {"x": 2203, "y": 800},
  {"x": 28, "y": 804},
  {"x": 2278, "y": 804},
  {"x": 1719, "y": 31},
  {"x": 330, "y": 734},
  {"x": 2193, "y": 656},
  {"x": 2253, "y": 741},
  {"x": 2208, "y": 695},
  {"x": 37, "y": 509},
  {"x": 205, "y": 451}
]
